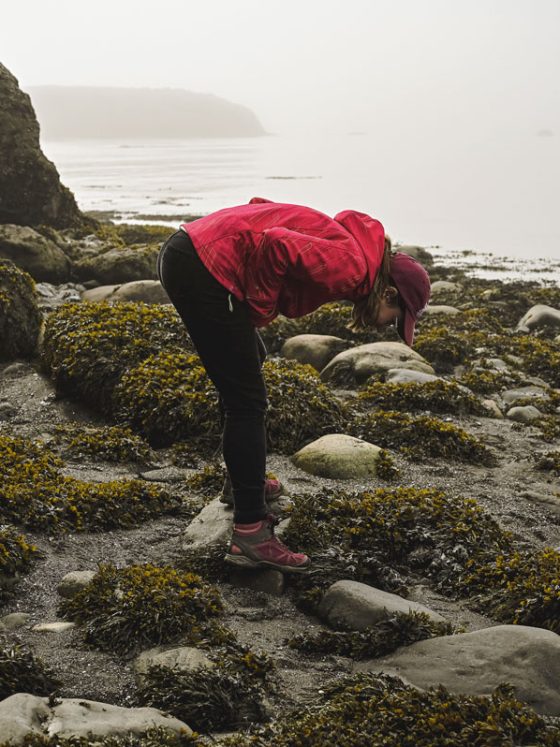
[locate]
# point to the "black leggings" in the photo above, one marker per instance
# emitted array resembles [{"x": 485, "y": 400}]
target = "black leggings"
[{"x": 232, "y": 353}]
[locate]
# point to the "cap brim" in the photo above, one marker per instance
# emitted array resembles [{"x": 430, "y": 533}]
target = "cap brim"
[{"x": 406, "y": 327}]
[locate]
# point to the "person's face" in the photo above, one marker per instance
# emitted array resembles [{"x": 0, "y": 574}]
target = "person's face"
[{"x": 389, "y": 310}]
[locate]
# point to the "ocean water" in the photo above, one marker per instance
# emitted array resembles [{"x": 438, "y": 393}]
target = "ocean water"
[{"x": 492, "y": 202}]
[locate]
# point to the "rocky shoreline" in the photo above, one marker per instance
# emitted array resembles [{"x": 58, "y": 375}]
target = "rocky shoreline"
[{"x": 507, "y": 405}]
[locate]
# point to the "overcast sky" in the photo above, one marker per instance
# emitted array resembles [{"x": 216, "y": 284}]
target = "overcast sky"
[{"x": 485, "y": 65}]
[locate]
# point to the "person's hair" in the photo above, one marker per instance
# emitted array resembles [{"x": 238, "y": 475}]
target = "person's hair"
[{"x": 364, "y": 311}]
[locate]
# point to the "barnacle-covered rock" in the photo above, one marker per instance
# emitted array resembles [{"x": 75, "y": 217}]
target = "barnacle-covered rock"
[
  {"x": 119, "y": 265},
  {"x": 20, "y": 318},
  {"x": 144, "y": 605},
  {"x": 539, "y": 316},
  {"x": 34, "y": 254}
]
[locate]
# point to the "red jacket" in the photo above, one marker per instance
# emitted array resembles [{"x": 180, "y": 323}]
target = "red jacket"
[{"x": 288, "y": 259}]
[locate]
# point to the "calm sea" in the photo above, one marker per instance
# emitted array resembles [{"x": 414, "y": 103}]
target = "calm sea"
[{"x": 497, "y": 197}]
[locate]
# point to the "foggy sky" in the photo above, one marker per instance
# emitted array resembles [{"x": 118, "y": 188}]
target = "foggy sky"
[{"x": 410, "y": 66}]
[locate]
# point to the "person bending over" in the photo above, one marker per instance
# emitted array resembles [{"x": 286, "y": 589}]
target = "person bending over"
[{"x": 236, "y": 270}]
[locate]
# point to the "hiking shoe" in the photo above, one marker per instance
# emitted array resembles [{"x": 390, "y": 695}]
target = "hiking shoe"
[
  {"x": 255, "y": 546},
  {"x": 273, "y": 489}
]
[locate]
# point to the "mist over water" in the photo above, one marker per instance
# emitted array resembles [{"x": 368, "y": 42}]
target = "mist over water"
[{"x": 497, "y": 194}]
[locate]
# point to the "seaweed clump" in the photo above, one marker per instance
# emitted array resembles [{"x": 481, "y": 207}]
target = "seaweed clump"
[
  {"x": 228, "y": 695},
  {"x": 420, "y": 436},
  {"x": 140, "y": 606},
  {"x": 381, "y": 711},
  {"x": 153, "y": 737},
  {"x": 362, "y": 536},
  {"x": 16, "y": 556},
  {"x": 300, "y": 407},
  {"x": 110, "y": 443},
  {"x": 20, "y": 317},
  {"x": 445, "y": 349},
  {"x": 169, "y": 397},
  {"x": 35, "y": 493},
  {"x": 525, "y": 587},
  {"x": 88, "y": 347},
  {"x": 436, "y": 396},
  {"x": 383, "y": 638},
  {"x": 21, "y": 672}
]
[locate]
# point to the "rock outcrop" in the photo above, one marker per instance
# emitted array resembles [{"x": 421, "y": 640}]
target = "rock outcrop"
[{"x": 30, "y": 189}]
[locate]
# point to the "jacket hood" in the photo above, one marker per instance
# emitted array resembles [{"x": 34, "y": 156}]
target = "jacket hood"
[{"x": 369, "y": 235}]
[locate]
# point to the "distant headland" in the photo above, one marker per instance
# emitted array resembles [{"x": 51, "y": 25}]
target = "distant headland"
[{"x": 68, "y": 112}]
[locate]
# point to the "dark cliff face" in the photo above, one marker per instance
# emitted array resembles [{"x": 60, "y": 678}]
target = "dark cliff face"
[{"x": 30, "y": 190}]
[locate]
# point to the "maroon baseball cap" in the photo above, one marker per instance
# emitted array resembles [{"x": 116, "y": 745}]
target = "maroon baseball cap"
[{"x": 413, "y": 284}]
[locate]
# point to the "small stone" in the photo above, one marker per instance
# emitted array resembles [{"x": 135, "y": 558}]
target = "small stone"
[
  {"x": 211, "y": 526},
  {"x": 266, "y": 580},
  {"x": 406, "y": 376},
  {"x": 493, "y": 409},
  {"x": 74, "y": 582},
  {"x": 55, "y": 627},
  {"x": 183, "y": 658},
  {"x": 527, "y": 414},
  {"x": 14, "y": 620},
  {"x": 7, "y": 410},
  {"x": 165, "y": 474}
]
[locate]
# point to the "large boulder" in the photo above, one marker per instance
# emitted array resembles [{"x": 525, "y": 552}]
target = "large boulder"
[
  {"x": 146, "y": 291},
  {"x": 316, "y": 350},
  {"x": 121, "y": 265},
  {"x": 476, "y": 663},
  {"x": 23, "y": 716},
  {"x": 539, "y": 316},
  {"x": 359, "y": 363},
  {"x": 35, "y": 254},
  {"x": 30, "y": 189}
]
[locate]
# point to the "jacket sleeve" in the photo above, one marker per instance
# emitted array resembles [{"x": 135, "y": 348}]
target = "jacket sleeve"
[{"x": 289, "y": 262}]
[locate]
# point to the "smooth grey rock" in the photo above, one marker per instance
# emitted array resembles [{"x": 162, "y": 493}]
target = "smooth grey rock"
[
  {"x": 146, "y": 291},
  {"x": 35, "y": 254},
  {"x": 184, "y": 658},
  {"x": 514, "y": 395},
  {"x": 527, "y": 414},
  {"x": 87, "y": 718},
  {"x": 441, "y": 310},
  {"x": 54, "y": 627},
  {"x": 338, "y": 456},
  {"x": 358, "y": 364},
  {"x": 266, "y": 580},
  {"x": 165, "y": 474},
  {"x": 351, "y": 605},
  {"x": 22, "y": 715},
  {"x": 493, "y": 409},
  {"x": 408, "y": 375},
  {"x": 316, "y": 350},
  {"x": 444, "y": 287},
  {"x": 74, "y": 582},
  {"x": 539, "y": 316},
  {"x": 416, "y": 252},
  {"x": 476, "y": 663},
  {"x": 14, "y": 620},
  {"x": 212, "y": 525}
]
